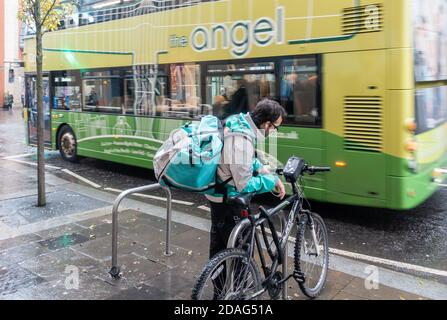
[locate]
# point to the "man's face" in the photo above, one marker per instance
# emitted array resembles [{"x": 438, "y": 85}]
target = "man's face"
[{"x": 270, "y": 127}]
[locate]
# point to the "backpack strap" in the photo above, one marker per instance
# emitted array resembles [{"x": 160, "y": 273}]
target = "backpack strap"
[{"x": 220, "y": 188}]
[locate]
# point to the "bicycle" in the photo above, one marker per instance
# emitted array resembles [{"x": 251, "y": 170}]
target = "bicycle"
[{"x": 233, "y": 273}]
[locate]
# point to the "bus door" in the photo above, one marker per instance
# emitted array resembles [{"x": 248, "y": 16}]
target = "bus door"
[{"x": 31, "y": 104}]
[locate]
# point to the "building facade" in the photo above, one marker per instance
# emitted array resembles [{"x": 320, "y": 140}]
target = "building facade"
[
  {"x": 2, "y": 53},
  {"x": 11, "y": 71}
]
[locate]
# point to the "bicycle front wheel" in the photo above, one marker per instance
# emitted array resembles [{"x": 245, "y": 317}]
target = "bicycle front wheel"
[
  {"x": 312, "y": 255},
  {"x": 229, "y": 275}
]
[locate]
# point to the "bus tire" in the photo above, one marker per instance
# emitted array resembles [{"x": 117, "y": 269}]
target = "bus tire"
[{"x": 67, "y": 144}]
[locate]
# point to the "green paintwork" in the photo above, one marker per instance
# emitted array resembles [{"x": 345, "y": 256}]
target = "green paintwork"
[{"x": 377, "y": 179}]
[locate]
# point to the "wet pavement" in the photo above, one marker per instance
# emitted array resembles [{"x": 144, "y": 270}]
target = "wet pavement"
[
  {"x": 12, "y": 132},
  {"x": 37, "y": 245},
  {"x": 44, "y": 262},
  {"x": 23, "y": 210}
]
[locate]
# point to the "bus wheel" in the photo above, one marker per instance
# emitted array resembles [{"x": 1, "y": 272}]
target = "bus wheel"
[{"x": 67, "y": 144}]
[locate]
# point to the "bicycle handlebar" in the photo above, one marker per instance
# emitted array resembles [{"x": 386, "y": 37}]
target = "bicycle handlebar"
[
  {"x": 313, "y": 170},
  {"x": 309, "y": 169}
]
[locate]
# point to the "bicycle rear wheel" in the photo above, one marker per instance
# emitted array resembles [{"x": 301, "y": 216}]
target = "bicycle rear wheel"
[
  {"x": 229, "y": 275},
  {"x": 311, "y": 263}
]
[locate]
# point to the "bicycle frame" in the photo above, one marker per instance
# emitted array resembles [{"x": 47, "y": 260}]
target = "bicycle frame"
[{"x": 253, "y": 222}]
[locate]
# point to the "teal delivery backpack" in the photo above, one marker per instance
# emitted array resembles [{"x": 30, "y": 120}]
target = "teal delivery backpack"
[{"x": 189, "y": 159}]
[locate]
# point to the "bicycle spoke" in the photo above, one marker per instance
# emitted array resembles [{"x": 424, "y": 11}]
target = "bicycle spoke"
[
  {"x": 313, "y": 264},
  {"x": 232, "y": 279}
]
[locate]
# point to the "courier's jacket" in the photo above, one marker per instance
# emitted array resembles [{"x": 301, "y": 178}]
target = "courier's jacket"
[{"x": 239, "y": 160}]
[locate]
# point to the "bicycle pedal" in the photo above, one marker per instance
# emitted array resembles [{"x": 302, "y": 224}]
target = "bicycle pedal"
[{"x": 298, "y": 276}]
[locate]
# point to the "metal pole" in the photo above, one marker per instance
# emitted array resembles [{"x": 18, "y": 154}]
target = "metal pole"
[
  {"x": 235, "y": 232},
  {"x": 168, "y": 251},
  {"x": 286, "y": 257}
]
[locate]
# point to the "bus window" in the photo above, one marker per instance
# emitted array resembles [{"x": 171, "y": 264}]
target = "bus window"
[
  {"x": 129, "y": 93},
  {"x": 430, "y": 40},
  {"x": 67, "y": 90},
  {"x": 299, "y": 90},
  {"x": 103, "y": 92},
  {"x": 184, "y": 100},
  {"x": 431, "y": 108},
  {"x": 236, "y": 88},
  {"x": 140, "y": 96}
]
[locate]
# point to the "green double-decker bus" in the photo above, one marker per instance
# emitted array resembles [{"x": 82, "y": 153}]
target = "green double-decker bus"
[{"x": 364, "y": 84}]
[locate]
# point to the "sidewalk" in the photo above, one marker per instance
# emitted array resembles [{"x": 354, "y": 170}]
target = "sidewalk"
[{"x": 41, "y": 250}]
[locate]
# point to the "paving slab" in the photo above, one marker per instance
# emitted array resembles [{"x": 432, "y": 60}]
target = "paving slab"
[
  {"x": 357, "y": 287},
  {"x": 144, "y": 292},
  {"x": 14, "y": 278},
  {"x": 61, "y": 230},
  {"x": 21, "y": 211},
  {"x": 138, "y": 270},
  {"x": 93, "y": 289},
  {"x": 347, "y": 296},
  {"x": 22, "y": 253},
  {"x": 196, "y": 239},
  {"x": 101, "y": 249},
  {"x": 189, "y": 258},
  {"x": 54, "y": 266},
  {"x": 18, "y": 241}
]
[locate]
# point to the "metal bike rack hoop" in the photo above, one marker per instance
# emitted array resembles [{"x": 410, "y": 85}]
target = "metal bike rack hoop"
[{"x": 115, "y": 270}]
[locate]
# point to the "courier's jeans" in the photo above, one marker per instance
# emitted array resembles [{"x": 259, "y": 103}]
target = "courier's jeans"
[{"x": 223, "y": 219}]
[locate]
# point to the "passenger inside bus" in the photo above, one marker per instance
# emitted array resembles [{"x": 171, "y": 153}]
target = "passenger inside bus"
[
  {"x": 239, "y": 101},
  {"x": 298, "y": 96},
  {"x": 92, "y": 99},
  {"x": 220, "y": 103}
]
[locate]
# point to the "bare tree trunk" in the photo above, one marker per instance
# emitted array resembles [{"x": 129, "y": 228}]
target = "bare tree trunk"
[{"x": 40, "y": 113}]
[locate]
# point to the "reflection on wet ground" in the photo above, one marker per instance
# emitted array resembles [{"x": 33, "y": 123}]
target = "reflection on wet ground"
[
  {"x": 12, "y": 133},
  {"x": 21, "y": 211}
]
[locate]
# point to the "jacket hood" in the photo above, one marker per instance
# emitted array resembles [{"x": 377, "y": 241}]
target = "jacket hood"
[{"x": 243, "y": 123}]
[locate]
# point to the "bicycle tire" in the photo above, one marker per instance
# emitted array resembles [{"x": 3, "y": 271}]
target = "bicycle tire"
[
  {"x": 303, "y": 226},
  {"x": 214, "y": 264}
]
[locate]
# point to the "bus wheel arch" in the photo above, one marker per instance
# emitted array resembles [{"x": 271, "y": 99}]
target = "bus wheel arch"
[
  {"x": 57, "y": 134},
  {"x": 67, "y": 143}
]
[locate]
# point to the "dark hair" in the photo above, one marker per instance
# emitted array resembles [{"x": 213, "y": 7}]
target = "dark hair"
[{"x": 267, "y": 110}]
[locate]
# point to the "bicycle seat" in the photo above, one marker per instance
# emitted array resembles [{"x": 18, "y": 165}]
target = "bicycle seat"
[{"x": 242, "y": 200}]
